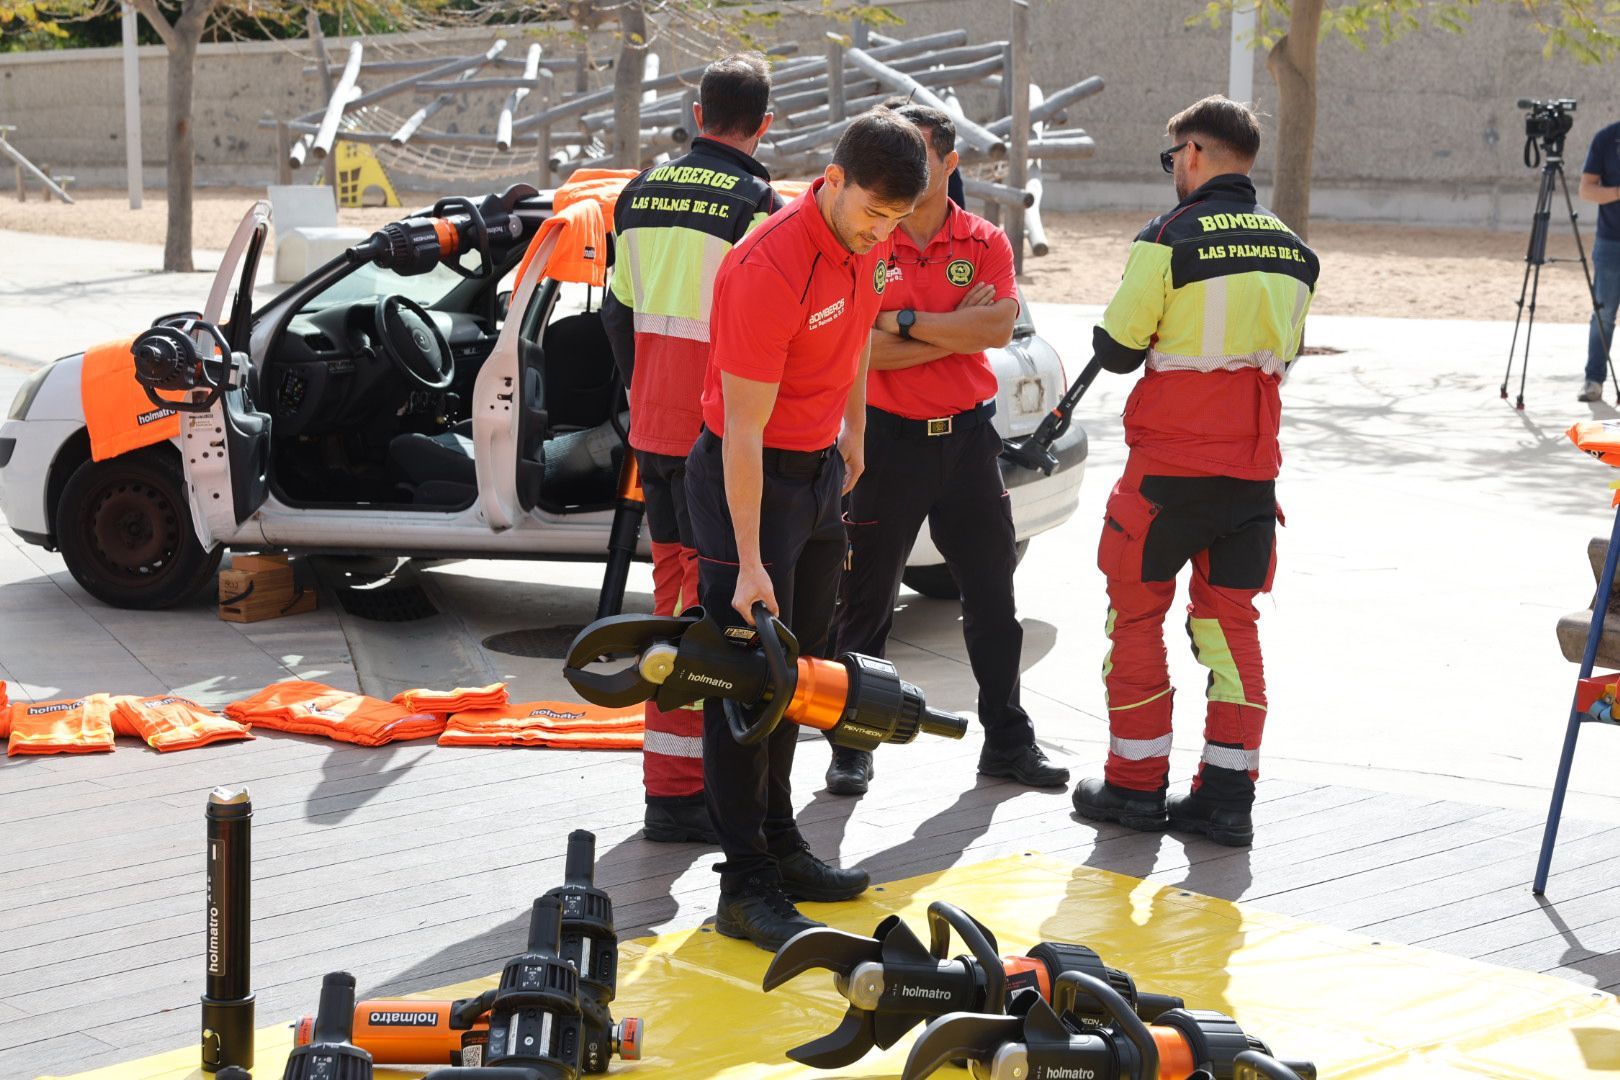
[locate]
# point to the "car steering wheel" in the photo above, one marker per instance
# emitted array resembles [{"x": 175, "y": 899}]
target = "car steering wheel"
[{"x": 412, "y": 341}]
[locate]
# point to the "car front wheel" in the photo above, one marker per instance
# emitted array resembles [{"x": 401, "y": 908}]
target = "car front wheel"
[
  {"x": 124, "y": 530},
  {"x": 936, "y": 582}
]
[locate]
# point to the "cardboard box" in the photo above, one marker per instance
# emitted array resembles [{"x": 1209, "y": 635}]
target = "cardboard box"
[{"x": 259, "y": 587}]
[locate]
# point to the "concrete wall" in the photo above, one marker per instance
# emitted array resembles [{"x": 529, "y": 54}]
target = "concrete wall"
[{"x": 1423, "y": 130}]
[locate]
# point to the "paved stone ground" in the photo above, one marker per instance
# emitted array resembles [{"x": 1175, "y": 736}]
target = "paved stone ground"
[{"x": 1417, "y": 695}]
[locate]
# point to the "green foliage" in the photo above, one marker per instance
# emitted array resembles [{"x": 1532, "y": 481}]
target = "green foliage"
[{"x": 1587, "y": 30}]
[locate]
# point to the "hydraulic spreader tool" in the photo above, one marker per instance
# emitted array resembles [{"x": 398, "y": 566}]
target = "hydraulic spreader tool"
[
  {"x": 1034, "y": 451},
  {"x": 860, "y": 701},
  {"x": 893, "y": 982},
  {"x": 183, "y": 355},
  {"x": 416, "y": 1031},
  {"x": 1040, "y": 1039},
  {"x": 454, "y": 226}
]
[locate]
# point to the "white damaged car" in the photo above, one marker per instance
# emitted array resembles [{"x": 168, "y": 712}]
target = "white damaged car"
[{"x": 388, "y": 403}]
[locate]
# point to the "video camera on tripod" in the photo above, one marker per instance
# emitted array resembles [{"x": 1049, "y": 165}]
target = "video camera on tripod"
[{"x": 1545, "y": 126}]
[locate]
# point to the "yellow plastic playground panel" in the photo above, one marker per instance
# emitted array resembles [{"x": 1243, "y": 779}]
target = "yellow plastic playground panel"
[{"x": 1355, "y": 1006}]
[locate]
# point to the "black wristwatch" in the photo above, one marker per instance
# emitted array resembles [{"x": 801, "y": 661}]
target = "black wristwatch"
[{"x": 906, "y": 318}]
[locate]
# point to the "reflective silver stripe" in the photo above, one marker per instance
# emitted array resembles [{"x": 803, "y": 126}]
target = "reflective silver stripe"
[
  {"x": 1231, "y": 757},
  {"x": 714, "y": 252},
  {"x": 662, "y": 742},
  {"x": 1267, "y": 361},
  {"x": 1140, "y": 749},
  {"x": 1215, "y": 316},
  {"x": 672, "y": 326}
]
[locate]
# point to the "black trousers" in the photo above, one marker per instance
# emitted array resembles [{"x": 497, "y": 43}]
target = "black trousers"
[
  {"x": 953, "y": 482},
  {"x": 663, "y": 487},
  {"x": 801, "y": 542}
]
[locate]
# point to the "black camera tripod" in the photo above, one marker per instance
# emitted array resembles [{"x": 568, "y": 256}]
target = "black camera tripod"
[{"x": 1536, "y": 255}]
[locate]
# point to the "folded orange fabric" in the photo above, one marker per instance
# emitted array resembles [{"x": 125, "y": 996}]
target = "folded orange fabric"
[
  {"x": 5, "y": 712},
  {"x": 448, "y": 702},
  {"x": 312, "y": 708},
  {"x": 117, "y": 413},
  {"x": 173, "y": 723},
  {"x": 559, "y": 724},
  {"x": 71, "y": 726}
]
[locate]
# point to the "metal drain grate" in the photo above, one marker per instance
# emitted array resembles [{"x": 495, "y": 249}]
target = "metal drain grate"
[
  {"x": 536, "y": 642},
  {"x": 394, "y": 602}
]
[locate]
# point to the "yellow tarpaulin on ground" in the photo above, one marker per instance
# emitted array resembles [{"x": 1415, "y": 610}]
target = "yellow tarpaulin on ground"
[{"x": 1357, "y": 1007}]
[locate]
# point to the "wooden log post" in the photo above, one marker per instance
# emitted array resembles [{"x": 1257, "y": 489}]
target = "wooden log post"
[
  {"x": 503, "y": 125},
  {"x": 543, "y": 134},
  {"x": 283, "y": 154},
  {"x": 968, "y": 131},
  {"x": 1017, "y": 77},
  {"x": 835, "y": 77}
]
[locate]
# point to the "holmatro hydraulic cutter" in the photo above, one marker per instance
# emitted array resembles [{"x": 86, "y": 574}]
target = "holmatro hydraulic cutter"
[
  {"x": 860, "y": 701},
  {"x": 893, "y": 982}
]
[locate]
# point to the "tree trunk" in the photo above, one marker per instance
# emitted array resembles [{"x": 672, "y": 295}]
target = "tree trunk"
[
  {"x": 1292, "y": 63},
  {"x": 187, "y": 33},
  {"x": 628, "y": 74}
]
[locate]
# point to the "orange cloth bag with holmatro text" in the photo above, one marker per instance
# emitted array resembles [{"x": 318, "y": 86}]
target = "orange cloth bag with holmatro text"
[
  {"x": 558, "y": 724},
  {"x": 117, "y": 413},
  {"x": 312, "y": 708},
  {"x": 72, "y": 726},
  {"x": 173, "y": 723}
]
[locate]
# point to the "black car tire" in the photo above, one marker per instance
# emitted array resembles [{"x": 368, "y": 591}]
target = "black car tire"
[
  {"x": 124, "y": 530},
  {"x": 937, "y": 583}
]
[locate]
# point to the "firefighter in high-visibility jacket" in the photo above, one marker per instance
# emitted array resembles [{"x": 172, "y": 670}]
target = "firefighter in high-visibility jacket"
[
  {"x": 1213, "y": 301},
  {"x": 673, "y": 224}
]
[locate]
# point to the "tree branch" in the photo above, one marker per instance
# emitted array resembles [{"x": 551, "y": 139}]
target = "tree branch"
[{"x": 148, "y": 9}]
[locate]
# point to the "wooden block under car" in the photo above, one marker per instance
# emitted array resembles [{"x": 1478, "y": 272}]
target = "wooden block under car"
[{"x": 258, "y": 587}]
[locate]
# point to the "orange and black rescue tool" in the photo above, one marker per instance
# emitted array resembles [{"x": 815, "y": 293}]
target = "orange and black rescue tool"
[
  {"x": 453, "y": 227},
  {"x": 227, "y": 1001},
  {"x": 416, "y": 1031},
  {"x": 893, "y": 982},
  {"x": 859, "y": 701},
  {"x": 330, "y": 1053},
  {"x": 1034, "y": 451},
  {"x": 1041, "y": 1039},
  {"x": 186, "y": 358}
]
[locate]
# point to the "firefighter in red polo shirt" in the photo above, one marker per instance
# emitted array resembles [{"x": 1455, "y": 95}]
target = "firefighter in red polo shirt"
[
  {"x": 784, "y": 415},
  {"x": 932, "y": 455}
]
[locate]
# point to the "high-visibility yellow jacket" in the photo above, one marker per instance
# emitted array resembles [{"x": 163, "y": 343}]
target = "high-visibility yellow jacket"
[{"x": 1213, "y": 302}]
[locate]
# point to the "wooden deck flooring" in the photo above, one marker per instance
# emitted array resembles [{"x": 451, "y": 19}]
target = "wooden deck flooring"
[{"x": 413, "y": 866}]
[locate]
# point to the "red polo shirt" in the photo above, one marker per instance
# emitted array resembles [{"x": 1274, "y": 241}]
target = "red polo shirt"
[
  {"x": 793, "y": 306},
  {"x": 967, "y": 249}
]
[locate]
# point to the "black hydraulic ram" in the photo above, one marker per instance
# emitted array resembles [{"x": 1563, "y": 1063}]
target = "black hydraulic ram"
[{"x": 227, "y": 1002}]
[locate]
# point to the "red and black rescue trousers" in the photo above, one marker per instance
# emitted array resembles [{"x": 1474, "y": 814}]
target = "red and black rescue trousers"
[
  {"x": 801, "y": 542},
  {"x": 672, "y": 755},
  {"x": 952, "y": 481},
  {"x": 1156, "y": 523}
]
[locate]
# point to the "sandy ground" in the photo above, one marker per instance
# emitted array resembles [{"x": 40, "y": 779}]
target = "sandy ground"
[{"x": 1384, "y": 270}]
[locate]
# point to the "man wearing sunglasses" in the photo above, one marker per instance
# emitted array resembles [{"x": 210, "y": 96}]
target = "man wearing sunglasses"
[
  {"x": 931, "y": 456},
  {"x": 1213, "y": 302}
]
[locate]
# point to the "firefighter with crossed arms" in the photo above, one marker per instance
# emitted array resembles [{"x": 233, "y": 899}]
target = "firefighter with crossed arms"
[
  {"x": 1213, "y": 304},
  {"x": 673, "y": 224},
  {"x": 931, "y": 454}
]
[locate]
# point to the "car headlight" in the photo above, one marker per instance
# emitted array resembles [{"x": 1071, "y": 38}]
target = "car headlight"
[{"x": 25, "y": 396}]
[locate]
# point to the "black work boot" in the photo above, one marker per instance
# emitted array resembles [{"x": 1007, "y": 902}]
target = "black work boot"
[
  {"x": 805, "y": 877},
  {"x": 1025, "y": 764},
  {"x": 849, "y": 772},
  {"x": 678, "y": 821},
  {"x": 1232, "y": 826},
  {"x": 1100, "y": 801},
  {"x": 758, "y": 911}
]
